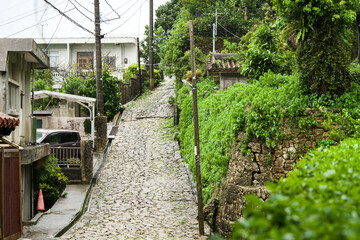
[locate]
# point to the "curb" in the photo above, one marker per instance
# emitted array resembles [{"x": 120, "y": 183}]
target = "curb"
[{"x": 88, "y": 192}]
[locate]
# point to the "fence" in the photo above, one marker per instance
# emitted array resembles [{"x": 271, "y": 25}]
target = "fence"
[
  {"x": 67, "y": 156},
  {"x": 130, "y": 90}
]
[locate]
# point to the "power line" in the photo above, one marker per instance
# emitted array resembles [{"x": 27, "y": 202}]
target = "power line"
[
  {"x": 37, "y": 24},
  {"x": 141, "y": 3},
  {"x": 81, "y": 11},
  {"x": 22, "y": 16},
  {"x": 40, "y": 21},
  {"x": 57, "y": 27},
  {"x": 68, "y": 18},
  {"x": 124, "y": 21},
  {"x": 229, "y": 31},
  {"x": 119, "y": 7},
  {"x": 113, "y": 11},
  {"x": 84, "y": 7}
]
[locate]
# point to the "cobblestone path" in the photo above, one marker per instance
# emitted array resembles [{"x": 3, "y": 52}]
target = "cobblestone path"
[{"x": 143, "y": 191}]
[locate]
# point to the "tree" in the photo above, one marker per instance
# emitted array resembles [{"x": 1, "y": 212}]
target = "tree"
[
  {"x": 323, "y": 33},
  {"x": 69, "y": 85},
  {"x": 46, "y": 76},
  {"x": 159, "y": 37},
  {"x": 166, "y": 15},
  {"x": 43, "y": 81},
  {"x": 112, "y": 96}
]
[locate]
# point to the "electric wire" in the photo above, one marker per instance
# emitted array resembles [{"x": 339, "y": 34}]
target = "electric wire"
[
  {"x": 124, "y": 21},
  {"x": 81, "y": 12},
  {"x": 70, "y": 19},
  {"x": 112, "y": 9},
  {"x": 118, "y": 7},
  {"x": 84, "y": 7},
  {"x": 141, "y": 3},
  {"x": 37, "y": 24},
  {"x": 22, "y": 16},
  {"x": 229, "y": 31},
  {"x": 41, "y": 18},
  {"x": 57, "y": 26}
]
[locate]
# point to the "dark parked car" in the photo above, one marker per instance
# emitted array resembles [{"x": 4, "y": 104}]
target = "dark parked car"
[
  {"x": 64, "y": 144},
  {"x": 58, "y": 137}
]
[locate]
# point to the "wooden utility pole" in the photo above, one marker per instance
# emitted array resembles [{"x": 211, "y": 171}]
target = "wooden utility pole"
[
  {"x": 246, "y": 12},
  {"x": 99, "y": 83},
  {"x": 151, "y": 47},
  {"x": 139, "y": 64},
  {"x": 196, "y": 133}
]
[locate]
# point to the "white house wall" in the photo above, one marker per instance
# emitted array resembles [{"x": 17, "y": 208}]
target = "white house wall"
[
  {"x": 119, "y": 50},
  {"x": 18, "y": 74}
]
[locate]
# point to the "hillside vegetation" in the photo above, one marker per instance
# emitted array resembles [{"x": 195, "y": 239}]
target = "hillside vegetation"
[{"x": 258, "y": 109}]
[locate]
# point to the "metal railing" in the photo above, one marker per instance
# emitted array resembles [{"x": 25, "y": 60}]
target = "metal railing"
[{"x": 67, "y": 156}]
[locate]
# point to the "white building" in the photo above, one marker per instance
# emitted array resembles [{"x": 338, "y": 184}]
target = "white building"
[
  {"x": 66, "y": 53},
  {"x": 18, "y": 57}
]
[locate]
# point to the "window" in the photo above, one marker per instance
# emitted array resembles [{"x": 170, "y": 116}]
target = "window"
[
  {"x": 110, "y": 62},
  {"x": 69, "y": 137},
  {"x": 38, "y": 124},
  {"x": 13, "y": 99},
  {"x": 85, "y": 59},
  {"x": 53, "y": 139},
  {"x": 54, "y": 59}
]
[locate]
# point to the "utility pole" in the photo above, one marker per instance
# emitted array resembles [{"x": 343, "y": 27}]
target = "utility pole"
[
  {"x": 151, "y": 47},
  {"x": 246, "y": 12},
  {"x": 196, "y": 133},
  {"x": 99, "y": 83},
  {"x": 138, "y": 50},
  {"x": 216, "y": 14}
]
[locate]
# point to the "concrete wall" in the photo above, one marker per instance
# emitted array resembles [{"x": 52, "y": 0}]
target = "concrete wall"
[
  {"x": 229, "y": 79},
  {"x": 70, "y": 123},
  {"x": 17, "y": 75}
]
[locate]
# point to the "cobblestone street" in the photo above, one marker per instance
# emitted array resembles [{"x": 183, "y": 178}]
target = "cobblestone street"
[{"x": 143, "y": 191}]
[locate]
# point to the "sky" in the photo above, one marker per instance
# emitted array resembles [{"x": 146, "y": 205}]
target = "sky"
[{"x": 37, "y": 19}]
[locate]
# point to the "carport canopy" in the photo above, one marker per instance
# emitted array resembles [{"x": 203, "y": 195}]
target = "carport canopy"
[{"x": 86, "y": 102}]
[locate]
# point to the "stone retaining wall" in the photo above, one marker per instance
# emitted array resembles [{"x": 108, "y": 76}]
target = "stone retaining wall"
[
  {"x": 248, "y": 173},
  {"x": 132, "y": 89}
]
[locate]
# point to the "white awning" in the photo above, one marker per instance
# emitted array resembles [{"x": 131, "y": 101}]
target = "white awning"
[
  {"x": 87, "y": 102},
  {"x": 69, "y": 97}
]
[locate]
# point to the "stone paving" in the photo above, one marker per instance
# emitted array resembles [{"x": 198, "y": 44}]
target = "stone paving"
[{"x": 143, "y": 191}]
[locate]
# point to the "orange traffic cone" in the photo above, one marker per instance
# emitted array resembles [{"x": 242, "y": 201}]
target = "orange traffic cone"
[{"x": 40, "y": 204}]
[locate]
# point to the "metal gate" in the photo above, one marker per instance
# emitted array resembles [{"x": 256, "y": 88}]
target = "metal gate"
[{"x": 67, "y": 156}]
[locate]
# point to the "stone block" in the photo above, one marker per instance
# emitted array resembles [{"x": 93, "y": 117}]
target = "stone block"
[
  {"x": 241, "y": 136},
  {"x": 277, "y": 170},
  {"x": 100, "y": 133},
  {"x": 255, "y": 147},
  {"x": 86, "y": 160},
  {"x": 279, "y": 162}
]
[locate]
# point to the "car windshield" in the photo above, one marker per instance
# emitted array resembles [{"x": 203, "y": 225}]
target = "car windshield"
[{"x": 39, "y": 136}]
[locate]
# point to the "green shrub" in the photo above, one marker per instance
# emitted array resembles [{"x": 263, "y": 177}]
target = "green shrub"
[
  {"x": 111, "y": 94},
  {"x": 319, "y": 200},
  {"x": 131, "y": 72},
  {"x": 262, "y": 54},
  {"x": 87, "y": 126},
  {"x": 71, "y": 84},
  {"x": 50, "y": 180},
  {"x": 355, "y": 73},
  {"x": 259, "y": 110}
]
